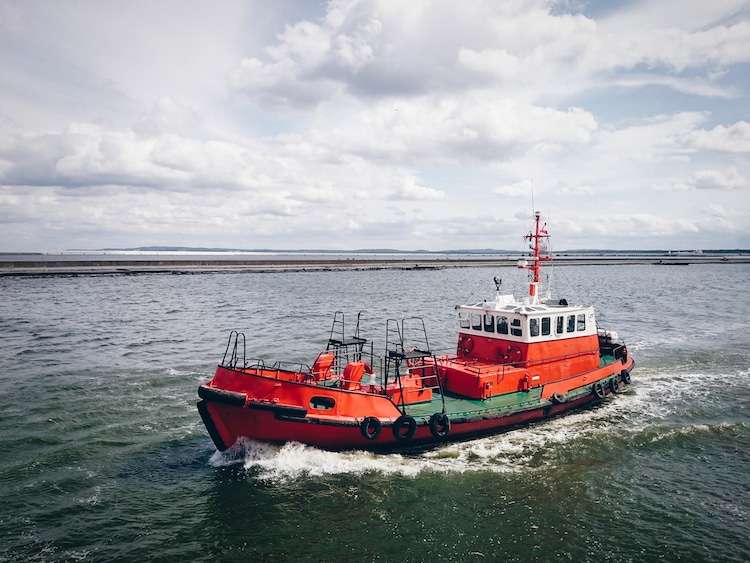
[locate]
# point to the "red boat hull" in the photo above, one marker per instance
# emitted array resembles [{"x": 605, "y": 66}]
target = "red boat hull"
[{"x": 276, "y": 410}]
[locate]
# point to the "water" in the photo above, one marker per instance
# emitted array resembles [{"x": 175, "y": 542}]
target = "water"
[{"x": 105, "y": 458}]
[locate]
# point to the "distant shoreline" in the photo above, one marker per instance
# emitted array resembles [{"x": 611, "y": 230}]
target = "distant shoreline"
[{"x": 94, "y": 267}]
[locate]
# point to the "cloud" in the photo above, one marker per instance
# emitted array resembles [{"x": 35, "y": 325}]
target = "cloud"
[
  {"x": 168, "y": 116},
  {"x": 268, "y": 122},
  {"x": 715, "y": 210},
  {"x": 729, "y": 179},
  {"x": 522, "y": 189},
  {"x": 311, "y": 62},
  {"x": 91, "y": 155},
  {"x": 726, "y": 180},
  {"x": 411, "y": 190},
  {"x": 577, "y": 191},
  {"x": 427, "y": 129},
  {"x": 732, "y": 139},
  {"x": 650, "y": 140},
  {"x": 667, "y": 35},
  {"x": 699, "y": 86},
  {"x": 278, "y": 87}
]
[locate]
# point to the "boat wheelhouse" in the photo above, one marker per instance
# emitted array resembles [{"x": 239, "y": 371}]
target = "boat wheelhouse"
[{"x": 523, "y": 345}]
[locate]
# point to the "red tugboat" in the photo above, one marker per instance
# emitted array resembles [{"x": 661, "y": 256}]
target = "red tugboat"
[{"x": 516, "y": 361}]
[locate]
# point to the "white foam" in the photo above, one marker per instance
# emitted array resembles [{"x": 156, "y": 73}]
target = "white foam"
[
  {"x": 92, "y": 500},
  {"x": 509, "y": 452},
  {"x": 650, "y": 403}
]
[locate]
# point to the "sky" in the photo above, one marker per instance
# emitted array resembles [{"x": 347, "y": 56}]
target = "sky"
[{"x": 403, "y": 124}]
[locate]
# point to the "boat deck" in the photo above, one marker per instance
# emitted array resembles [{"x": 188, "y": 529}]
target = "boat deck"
[
  {"x": 457, "y": 407},
  {"x": 461, "y": 407}
]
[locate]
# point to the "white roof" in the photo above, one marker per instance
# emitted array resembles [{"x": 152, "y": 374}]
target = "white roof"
[{"x": 509, "y": 304}]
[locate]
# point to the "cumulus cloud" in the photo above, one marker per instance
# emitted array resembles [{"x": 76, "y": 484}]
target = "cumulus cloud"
[
  {"x": 310, "y": 62},
  {"x": 518, "y": 190},
  {"x": 732, "y": 139},
  {"x": 729, "y": 179},
  {"x": 90, "y": 155},
  {"x": 438, "y": 129},
  {"x": 368, "y": 48},
  {"x": 411, "y": 190}
]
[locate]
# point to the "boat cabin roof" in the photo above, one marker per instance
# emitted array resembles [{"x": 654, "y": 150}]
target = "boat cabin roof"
[{"x": 526, "y": 321}]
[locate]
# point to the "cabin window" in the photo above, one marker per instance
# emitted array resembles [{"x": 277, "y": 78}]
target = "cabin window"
[
  {"x": 489, "y": 323},
  {"x": 581, "y": 322},
  {"x": 502, "y": 325},
  {"x": 515, "y": 329},
  {"x": 322, "y": 403},
  {"x": 545, "y": 326},
  {"x": 534, "y": 327},
  {"x": 571, "y": 323},
  {"x": 463, "y": 319},
  {"x": 476, "y": 321},
  {"x": 560, "y": 325}
]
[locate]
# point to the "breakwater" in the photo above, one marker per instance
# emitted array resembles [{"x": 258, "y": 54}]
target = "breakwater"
[{"x": 47, "y": 265}]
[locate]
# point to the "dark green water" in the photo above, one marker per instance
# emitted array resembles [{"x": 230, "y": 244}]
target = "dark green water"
[{"x": 104, "y": 457}]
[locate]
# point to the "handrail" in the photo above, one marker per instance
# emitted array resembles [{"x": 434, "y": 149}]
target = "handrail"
[{"x": 234, "y": 357}]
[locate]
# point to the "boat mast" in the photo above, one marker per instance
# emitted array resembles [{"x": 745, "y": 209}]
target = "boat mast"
[{"x": 540, "y": 232}]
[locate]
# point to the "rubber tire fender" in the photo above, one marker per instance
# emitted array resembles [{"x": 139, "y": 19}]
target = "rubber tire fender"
[
  {"x": 404, "y": 421},
  {"x": 598, "y": 390},
  {"x": 558, "y": 398},
  {"x": 440, "y": 425},
  {"x": 222, "y": 396},
  {"x": 614, "y": 385},
  {"x": 370, "y": 428},
  {"x": 625, "y": 376}
]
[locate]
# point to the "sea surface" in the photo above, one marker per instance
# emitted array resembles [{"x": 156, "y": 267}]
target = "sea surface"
[{"x": 104, "y": 457}]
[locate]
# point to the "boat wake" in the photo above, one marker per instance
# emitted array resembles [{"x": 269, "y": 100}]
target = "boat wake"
[
  {"x": 638, "y": 416},
  {"x": 522, "y": 449}
]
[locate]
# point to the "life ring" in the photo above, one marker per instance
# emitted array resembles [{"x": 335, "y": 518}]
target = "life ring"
[
  {"x": 558, "y": 398},
  {"x": 370, "y": 427},
  {"x": 598, "y": 390},
  {"x": 404, "y": 428},
  {"x": 614, "y": 385},
  {"x": 625, "y": 376},
  {"x": 465, "y": 344},
  {"x": 440, "y": 425}
]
